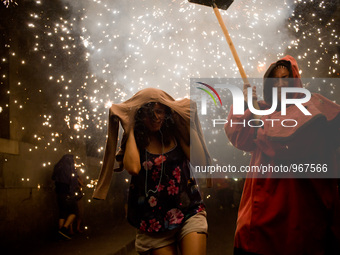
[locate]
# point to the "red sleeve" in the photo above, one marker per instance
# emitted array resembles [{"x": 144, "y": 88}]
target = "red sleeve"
[
  {"x": 303, "y": 145},
  {"x": 240, "y": 135},
  {"x": 308, "y": 142}
]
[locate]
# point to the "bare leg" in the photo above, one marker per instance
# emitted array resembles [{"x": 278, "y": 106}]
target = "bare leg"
[
  {"x": 61, "y": 223},
  {"x": 80, "y": 215},
  {"x": 194, "y": 243},
  {"x": 166, "y": 250},
  {"x": 71, "y": 229},
  {"x": 79, "y": 229},
  {"x": 69, "y": 220}
]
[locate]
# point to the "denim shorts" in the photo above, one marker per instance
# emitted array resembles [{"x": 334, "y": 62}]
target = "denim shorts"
[{"x": 148, "y": 241}]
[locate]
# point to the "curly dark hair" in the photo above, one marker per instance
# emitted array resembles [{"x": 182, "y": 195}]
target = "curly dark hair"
[{"x": 142, "y": 133}]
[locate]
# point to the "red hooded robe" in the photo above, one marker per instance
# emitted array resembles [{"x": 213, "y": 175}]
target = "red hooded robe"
[{"x": 289, "y": 216}]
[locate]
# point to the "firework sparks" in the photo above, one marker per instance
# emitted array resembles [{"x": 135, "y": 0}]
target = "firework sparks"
[
  {"x": 7, "y": 3},
  {"x": 90, "y": 54}
]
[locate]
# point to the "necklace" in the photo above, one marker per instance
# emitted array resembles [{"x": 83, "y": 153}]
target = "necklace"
[{"x": 146, "y": 171}]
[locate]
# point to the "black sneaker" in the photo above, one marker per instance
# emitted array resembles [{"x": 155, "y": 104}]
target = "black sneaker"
[{"x": 63, "y": 232}]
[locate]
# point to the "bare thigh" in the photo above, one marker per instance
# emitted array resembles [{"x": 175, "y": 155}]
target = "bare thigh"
[
  {"x": 194, "y": 243},
  {"x": 166, "y": 250}
]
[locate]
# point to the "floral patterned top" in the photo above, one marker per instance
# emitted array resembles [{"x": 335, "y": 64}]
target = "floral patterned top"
[{"x": 163, "y": 195}]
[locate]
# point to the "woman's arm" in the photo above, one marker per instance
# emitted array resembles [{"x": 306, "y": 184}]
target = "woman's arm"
[{"x": 131, "y": 159}]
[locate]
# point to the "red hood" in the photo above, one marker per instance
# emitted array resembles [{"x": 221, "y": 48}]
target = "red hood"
[
  {"x": 320, "y": 107},
  {"x": 291, "y": 64}
]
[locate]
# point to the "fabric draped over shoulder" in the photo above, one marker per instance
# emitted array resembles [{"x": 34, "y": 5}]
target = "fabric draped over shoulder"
[{"x": 184, "y": 113}]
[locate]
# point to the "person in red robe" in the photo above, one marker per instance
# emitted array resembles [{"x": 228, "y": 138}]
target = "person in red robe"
[{"x": 288, "y": 215}]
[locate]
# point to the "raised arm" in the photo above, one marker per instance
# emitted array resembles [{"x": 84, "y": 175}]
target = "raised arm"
[{"x": 131, "y": 159}]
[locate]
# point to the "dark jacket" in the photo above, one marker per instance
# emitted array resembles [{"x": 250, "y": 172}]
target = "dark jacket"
[{"x": 65, "y": 176}]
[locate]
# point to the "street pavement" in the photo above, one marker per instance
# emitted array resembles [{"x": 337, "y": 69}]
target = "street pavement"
[{"x": 119, "y": 240}]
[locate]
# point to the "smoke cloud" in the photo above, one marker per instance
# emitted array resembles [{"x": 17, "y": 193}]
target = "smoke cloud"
[{"x": 163, "y": 44}]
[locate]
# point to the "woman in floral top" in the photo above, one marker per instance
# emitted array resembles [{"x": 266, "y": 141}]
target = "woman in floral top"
[{"x": 164, "y": 201}]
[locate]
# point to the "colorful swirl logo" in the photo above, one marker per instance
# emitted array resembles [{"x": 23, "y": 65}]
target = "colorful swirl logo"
[{"x": 209, "y": 93}]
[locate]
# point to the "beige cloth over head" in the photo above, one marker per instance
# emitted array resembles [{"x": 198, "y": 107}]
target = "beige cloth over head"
[{"x": 189, "y": 129}]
